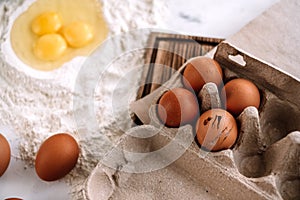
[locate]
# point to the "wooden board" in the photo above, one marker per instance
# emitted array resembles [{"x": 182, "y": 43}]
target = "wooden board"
[{"x": 170, "y": 50}]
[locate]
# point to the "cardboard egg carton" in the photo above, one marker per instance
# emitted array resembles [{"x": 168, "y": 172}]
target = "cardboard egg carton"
[{"x": 156, "y": 162}]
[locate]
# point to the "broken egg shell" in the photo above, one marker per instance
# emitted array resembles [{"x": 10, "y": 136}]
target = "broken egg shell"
[
  {"x": 177, "y": 107},
  {"x": 56, "y": 157},
  {"x": 4, "y": 154},
  {"x": 216, "y": 129}
]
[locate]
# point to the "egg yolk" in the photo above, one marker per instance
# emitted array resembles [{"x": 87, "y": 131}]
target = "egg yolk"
[
  {"x": 48, "y": 22},
  {"x": 50, "y": 47},
  {"x": 78, "y": 34}
]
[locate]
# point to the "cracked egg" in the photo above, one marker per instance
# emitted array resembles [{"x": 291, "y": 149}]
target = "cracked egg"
[{"x": 51, "y": 33}]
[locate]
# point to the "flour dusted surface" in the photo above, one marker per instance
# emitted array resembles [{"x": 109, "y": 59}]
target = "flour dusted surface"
[{"x": 38, "y": 107}]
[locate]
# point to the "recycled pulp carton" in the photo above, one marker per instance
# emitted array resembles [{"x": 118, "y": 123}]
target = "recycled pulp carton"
[{"x": 263, "y": 163}]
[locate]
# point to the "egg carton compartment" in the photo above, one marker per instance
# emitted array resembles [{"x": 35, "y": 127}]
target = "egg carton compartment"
[
  {"x": 271, "y": 145},
  {"x": 194, "y": 175},
  {"x": 263, "y": 163}
]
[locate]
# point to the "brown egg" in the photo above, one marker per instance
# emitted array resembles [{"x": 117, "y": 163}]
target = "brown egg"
[
  {"x": 56, "y": 157},
  {"x": 177, "y": 107},
  {"x": 216, "y": 129},
  {"x": 201, "y": 70},
  {"x": 240, "y": 93},
  {"x": 4, "y": 154}
]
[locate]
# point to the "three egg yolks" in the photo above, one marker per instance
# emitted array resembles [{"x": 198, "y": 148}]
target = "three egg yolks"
[{"x": 54, "y": 38}]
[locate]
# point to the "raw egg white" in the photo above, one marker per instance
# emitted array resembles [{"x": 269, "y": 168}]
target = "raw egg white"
[
  {"x": 216, "y": 130},
  {"x": 4, "y": 154},
  {"x": 80, "y": 23},
  {"x": 56, "y": 157}
]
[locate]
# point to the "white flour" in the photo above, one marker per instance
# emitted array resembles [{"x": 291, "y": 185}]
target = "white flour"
[{"x": 39, "y": 104}]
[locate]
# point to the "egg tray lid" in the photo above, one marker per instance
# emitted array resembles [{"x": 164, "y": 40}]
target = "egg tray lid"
[
  {"x": 168, "y": 53},
  {"x": 171, "y": 50},
  {"x": 260, "y": 166}
]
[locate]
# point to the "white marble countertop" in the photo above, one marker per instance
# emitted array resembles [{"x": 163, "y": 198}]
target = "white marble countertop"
[{"x": 212, "y": 18}]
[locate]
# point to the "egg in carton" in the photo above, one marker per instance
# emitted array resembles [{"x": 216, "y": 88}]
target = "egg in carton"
[{"x": 156, "y": 162}]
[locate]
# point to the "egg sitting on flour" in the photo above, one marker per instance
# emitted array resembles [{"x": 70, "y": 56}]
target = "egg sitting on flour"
[
  {"x": 51, "y": 33},
  {"x": 56, "y": 157},
  {"x": 4, "y": 154}
]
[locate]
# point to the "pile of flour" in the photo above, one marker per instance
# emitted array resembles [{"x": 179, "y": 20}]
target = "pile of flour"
[{"x": 39, "y": 104}]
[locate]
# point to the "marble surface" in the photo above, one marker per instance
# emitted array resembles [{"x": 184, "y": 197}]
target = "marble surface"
[{"x": 212, "y": 18}]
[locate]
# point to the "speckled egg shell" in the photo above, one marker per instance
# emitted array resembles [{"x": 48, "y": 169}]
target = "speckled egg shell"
[{"x": 216, "y": 130}]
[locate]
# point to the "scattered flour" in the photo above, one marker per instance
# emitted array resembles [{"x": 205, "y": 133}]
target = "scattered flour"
[{"x": 38, "y": 104}]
